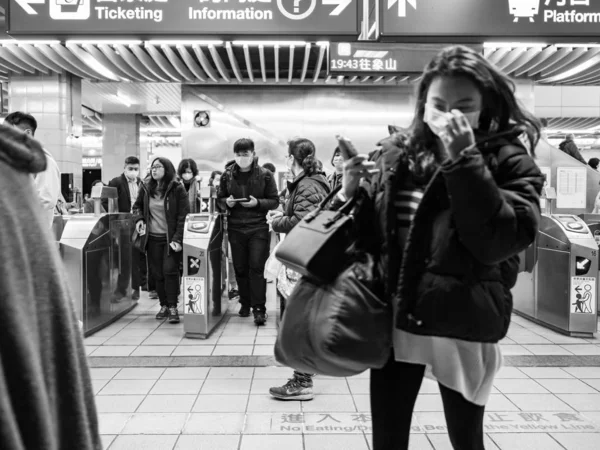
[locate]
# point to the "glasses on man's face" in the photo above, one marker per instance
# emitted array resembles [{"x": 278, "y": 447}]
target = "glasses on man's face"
[{"x": 157, "y": 167}]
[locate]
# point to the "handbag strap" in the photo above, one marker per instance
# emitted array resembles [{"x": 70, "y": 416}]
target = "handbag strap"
[{"x": 343, "y": 211}]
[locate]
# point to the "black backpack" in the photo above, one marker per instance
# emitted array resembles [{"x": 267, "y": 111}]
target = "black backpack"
[{"x": 563, "y": 146}]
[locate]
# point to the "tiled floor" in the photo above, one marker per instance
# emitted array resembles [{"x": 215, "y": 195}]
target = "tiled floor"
[
  {"x": 228, "y": 408},
  {"x": 140, "y": 334}
]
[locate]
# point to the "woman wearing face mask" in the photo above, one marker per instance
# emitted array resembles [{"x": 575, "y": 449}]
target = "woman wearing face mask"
[
  {"x": 188, "y": 174},
  {"x": 456, "y": 199},
  {"x": 305, "y": 192},
  {"x": 160, "y": 211}
]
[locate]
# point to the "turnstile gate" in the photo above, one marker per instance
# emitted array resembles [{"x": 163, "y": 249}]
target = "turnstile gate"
[
  {"x": 561, "y": 290},
  {"x": 205, "y": 262},
  {"x": 96, "y": 251}
]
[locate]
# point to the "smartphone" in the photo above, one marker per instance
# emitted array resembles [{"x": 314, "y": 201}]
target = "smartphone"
[
  {"x": 240, "y": 200},
  {"x": 346, "y": 147}
]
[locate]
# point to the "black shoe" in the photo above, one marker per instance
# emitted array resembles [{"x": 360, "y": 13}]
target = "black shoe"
[
  {"x": 260, "y": 318},
  {"x": 163, "y": 313},
  {"x": 173, "y": 315},
  {"x": 233, "y": 293},
  {"x": 153, "y": 295},
  {"x": 135, "y": 295},
  {"x": 145, "y": 287},
  {"x": 244, "y": 311}
]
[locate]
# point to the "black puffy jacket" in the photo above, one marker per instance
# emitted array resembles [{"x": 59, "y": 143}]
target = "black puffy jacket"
[
  {"x": 261, "y": 186},
  {"x": 305, "y": 194},
  {"x": 177, "y": 207},
  {"x": 454, "y": 275}
]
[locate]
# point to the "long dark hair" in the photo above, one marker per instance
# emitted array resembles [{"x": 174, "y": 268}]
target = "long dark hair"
[
  {"x": 187, "y": 164},
  {"x": 154, "y": 187},
  {"x": 303, "y": 151},
  {"x": 500, "y": 113}
]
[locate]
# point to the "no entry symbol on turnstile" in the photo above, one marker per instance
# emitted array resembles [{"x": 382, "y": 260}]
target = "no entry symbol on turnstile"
[{"x": 193, "y": 265}]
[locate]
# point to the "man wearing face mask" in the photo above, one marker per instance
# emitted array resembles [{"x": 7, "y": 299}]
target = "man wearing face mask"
[
  {"x": 337, "y": 161},
  {"x": 127, "y": 185},
  {"x": 248, "y": 191}
]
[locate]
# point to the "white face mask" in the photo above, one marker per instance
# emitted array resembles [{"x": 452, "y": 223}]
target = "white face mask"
[
  {"x": 187, "y": 176},
  {"x": 132, "y": 174},
  {"x": 244, "y": 161},
  {"x": 438, "y": 120}
]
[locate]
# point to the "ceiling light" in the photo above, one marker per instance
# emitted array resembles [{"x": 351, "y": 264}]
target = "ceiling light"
[
  {"x": 181, "y": 43},
  {"x": 17, "y": 42},
  {"x": 513, "y": 44},
  {"x": 174, "y": 121},
  {"x": 577, "y": 45},
  {"x": 102, "y": 42},
  {"x": 323, "y": 43},
  {"x": 271, "y": 43},
  {"x": 161, "y": 130}
]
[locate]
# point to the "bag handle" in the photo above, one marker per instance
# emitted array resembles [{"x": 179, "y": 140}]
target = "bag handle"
[{"x": 343, "y": 211}]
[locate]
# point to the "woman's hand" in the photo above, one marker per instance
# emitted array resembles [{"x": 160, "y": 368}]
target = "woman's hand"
[
  {"x": 272, "y": 215},
  {"x": 458, "y": 135},
  {"x": 141, "y": 228},
  {"x": 354, "y": 170},
  {"x": 176, "y": 246}
]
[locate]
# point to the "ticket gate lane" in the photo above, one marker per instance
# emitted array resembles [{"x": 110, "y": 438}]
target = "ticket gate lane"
[
  {"x": 560, "y": 291},
  {"x": 96, "y": 249}
]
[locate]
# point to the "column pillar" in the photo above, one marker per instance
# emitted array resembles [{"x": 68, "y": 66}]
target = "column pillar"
[
  {"x": 121, "y": 138},
  {"x": 55, "y": 102},
  {"x": 525, "y": 92}
]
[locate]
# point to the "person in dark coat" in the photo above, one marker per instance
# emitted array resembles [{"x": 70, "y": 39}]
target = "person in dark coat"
[
  {"x": 454, "y": 203},
  {"x": 247, "y": 225},
  {"x": 128, "y": 185},
  {"x": 159, "y": 212},
  {"x": 570, "y": 148},
  {"x": 46, "y": 396},
  {"x": 305, "y": 193},
  {"x": 337, "y": 161}
]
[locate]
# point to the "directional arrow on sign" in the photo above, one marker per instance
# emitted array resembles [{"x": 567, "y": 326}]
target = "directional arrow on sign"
[
  {"x": 28, "y": 9},
  {"x": 341, "y": 5},
  {"x": 402, "y": 6},
  {"x": 578, "y": 289}
]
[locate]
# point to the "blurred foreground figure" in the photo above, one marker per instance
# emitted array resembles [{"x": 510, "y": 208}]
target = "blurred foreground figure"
[{"x": 46, "y": 398}]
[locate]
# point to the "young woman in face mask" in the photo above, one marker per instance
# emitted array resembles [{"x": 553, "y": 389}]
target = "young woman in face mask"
[
  {"x": 188, "y": 174},
  {"x": 455, "y": 200}
]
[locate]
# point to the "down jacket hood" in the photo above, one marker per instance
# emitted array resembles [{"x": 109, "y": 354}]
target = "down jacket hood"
[{"x": 20, "y": 151}]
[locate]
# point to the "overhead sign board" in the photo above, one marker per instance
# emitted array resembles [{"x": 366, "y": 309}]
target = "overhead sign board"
[
  {"x": 184, "y": 17},
  {"x": 470, "y": 20},
  {"x": 377, "y": 58}
]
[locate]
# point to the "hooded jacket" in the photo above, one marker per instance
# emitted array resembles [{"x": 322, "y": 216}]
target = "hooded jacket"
[
  {"x": 304, "y": 194},
  {"x": 261, "y": 185},
  {"x": 453, "y": 276},
  {"x": 46, "y": 397}
]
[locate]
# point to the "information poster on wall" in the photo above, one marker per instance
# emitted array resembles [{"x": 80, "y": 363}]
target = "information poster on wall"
[
  {"x": 571, "y": 187},
  {"x": 583, "y": 295}
]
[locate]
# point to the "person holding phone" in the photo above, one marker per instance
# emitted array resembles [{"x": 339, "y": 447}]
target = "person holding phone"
[
  {"x": 455, "y": 201},
  {"x": 160, "y": 211},
  {"x": 248, "y": 191}
]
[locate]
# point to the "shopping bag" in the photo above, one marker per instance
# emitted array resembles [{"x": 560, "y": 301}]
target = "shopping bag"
[{"x": 273, "y": 265}]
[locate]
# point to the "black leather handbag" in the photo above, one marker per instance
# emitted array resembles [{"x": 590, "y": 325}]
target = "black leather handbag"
[
  {"x": 337, "y": 329},
  {"x": 138, "y": 241},
  {"x": 315, "y": 247}
]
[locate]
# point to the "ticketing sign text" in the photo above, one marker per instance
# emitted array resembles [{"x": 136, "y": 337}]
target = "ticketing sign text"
[
  {"x": 471, "y": 20},
  {"x": 185, "y": 17}
]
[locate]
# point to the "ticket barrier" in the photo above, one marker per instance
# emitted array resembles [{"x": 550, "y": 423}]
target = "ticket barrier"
[
  {"x": 560, "y": 290},
  {"x": 205, "y": 262},
  {"x": 96, "y": 251}
]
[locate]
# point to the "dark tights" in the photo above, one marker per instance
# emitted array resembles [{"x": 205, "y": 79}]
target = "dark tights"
[{"x": 394, "y": 391}]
